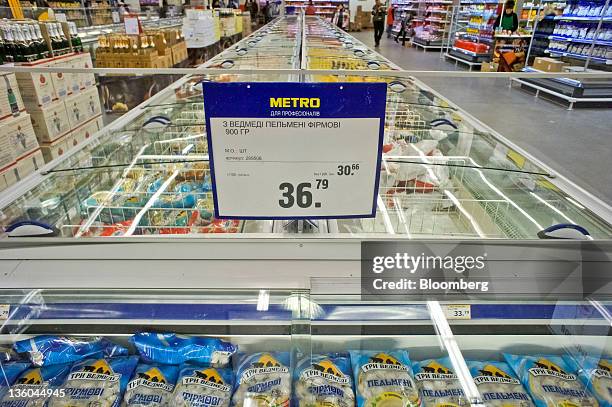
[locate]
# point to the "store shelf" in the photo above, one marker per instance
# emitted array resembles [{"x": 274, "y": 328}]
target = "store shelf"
[
  {"x": 470, "y": 53},
  {"x": 553, "y": 52},
  {"x": 580, "y": 40},
  {"x": 512, "y": 36},
  {"x": 584, "y": 19}
]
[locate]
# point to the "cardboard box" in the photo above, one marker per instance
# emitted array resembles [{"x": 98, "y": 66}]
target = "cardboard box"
[
  {"x": 50, "y": 122},
  {"x": 8, "y": 176},
  {"x": 179, "y": 53},
  {"x": 91, "y": 101},
  {"x": 36, "y": 88},
  {"x": 9, "y": 105},
  {"x": 86, "y": 80},
  {"x": 86, "y": 130},
  {"x": 73, "y": 79},
  {"x": 20, "y": 134},
  {"x": 7, "y": 156},
  {"x": 549, "y": 64},
  {"x": 30, "y": 163},
  {"x": 60, "y": 83},
  {"x": 75, "y": 110},
  {"x": 53, "y": 150},
  {"x": 489, "y": 67}
]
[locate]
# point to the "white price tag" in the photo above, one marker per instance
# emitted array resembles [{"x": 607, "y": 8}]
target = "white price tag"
[
  {"x": 295, "y": 150},
  {"x": 5, "y": 310},
  {"x": 131, "y": 25},
  {"x": 61, "y": 17},
  {"x": 457, "y": 311}
]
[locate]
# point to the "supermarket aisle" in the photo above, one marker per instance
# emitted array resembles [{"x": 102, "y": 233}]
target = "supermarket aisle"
[{"x": 577, "y": 144}]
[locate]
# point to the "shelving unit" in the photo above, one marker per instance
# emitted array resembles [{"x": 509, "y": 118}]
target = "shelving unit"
[
  {"x": 325, "y": 8},
  {"x": 435, "y": 18}
]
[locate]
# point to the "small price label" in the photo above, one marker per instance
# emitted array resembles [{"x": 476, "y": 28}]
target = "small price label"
[
  {"x": 4, "y": 311},
  {"x": 458, "y": 311}
]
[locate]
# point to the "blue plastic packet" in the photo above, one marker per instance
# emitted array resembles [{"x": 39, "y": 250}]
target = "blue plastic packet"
[
  {"x": 96, "y": 382},
  {"x": 151, "y": 385},
  {"x": 46, "y": 350},
  {"x": 384, "y": 378},
  {"x": 550, "y": 381},
  {"x": 33, "y": 387},
  {"x": 7, "y": 354},
  {"x": 596, "y": 374},
  {"x": 323, "y": 380},
  {"x": 9, "y": 373},
  {"x": 498, "y": 385},
  {"x": 437, "y": 383},
  {"x": 173, "y": 349},
  {"x": 262, "y": 379},
  {"x": 200, "y": 386}
]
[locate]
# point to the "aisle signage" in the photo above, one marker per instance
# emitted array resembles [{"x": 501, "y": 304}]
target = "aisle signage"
[{"x": 294, "y": 150}]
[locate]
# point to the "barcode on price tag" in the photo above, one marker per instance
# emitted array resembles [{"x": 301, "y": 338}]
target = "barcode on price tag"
[
  {"x": 458, "y": 311},
  {"x": 4, "y": 311}
]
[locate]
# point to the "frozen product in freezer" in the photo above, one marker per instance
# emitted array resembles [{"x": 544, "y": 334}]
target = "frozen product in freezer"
[
  {"x": 95, "y": 382},
  {"x": 151, "y": 385},
  {"x": 384, "y": 379},
  {"x": 438, "y": 384},
  {"x": 498, "y": 385},
  {"x": 324, "y": 381},
  {"x": 10, "y": 372},
  {"x": 34, "y": 386},
  {"x": 263, "y": 380},
  {"x": 596, "y": 374},
  {"x": 200, "y": 386},
  {"x": 550, "y": 381}
]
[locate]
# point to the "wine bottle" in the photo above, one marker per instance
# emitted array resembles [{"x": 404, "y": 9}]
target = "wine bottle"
[
  {"x": 44, "y": 49},
  {"x": 29, "y": 46},
  {"x": 9, "y": 43},
  {"x": 21, "y": 47}
]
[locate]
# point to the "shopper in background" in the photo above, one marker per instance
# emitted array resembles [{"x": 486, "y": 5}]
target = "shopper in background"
[
  {"x": 508, "y": 21},
  {"x": 341, "y": 17},
  {"x": 253, "y": 9},
  {"x": 163, "y": 11},
  {"x": 311, "y": 10},
  {"x": 123, "y": 8},
  {"x": 404, "y": 28},
  {"x": 378, "y": 19},
  {"x": 390, "y": 19}
]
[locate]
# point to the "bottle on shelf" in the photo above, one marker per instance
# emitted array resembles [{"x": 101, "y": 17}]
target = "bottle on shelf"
[
  {"x": 77, "y": 44},
  {"x": 9, "y": 43},
  {"x": 41, "y": 41},
  {"x": 56, "y": 42},
  {"x": 21, "y": 46},
  {"x": 62, "y": 36}
]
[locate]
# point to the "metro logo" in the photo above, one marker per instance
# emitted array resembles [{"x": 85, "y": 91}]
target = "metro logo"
[{"x": 312, "y": 103}]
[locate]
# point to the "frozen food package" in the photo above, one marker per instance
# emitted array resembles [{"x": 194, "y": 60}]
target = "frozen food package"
[
  {"x": 9, "y": 373},
  {"x": 200, "y": 386},
  {"x": 45, "y": 350},
  {"x": 33, "y": 387},
  {"x": 384, "y": 379},
  {"x": 151, "y": 385},
  {"x": 438, "y": 384},
  {"x": 96, "y": 382},
  {"x": 550, "y": 381},
  {"x": 596, "y": 374},
  {"x": 7, "y": 354},
  {"x": 173, "y": 349},
  {"x": 498, "y": 385},
  {"x": 262, "y": 380},
  {"x": 323, "y": 381}
]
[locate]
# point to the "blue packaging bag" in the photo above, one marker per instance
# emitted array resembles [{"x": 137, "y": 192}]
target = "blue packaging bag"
[
  {"x": 498, "y": 384},
  {"x": 46, "y": 350},
  {"x": 9, "y": 373},
  {"x": 99, "y": 382},
  {"x": 384, "y": 377},
  {"x": 262, "y": 378},
  {"x": 550, "y": 381},
  {"x": 202, "y": 386},
  {"x": 595, "y": 374},
  {"x": 7, "y": 354},
  {"x": 323, "y": 380},
  {"x": 437, "y": 383},
  {"x": 151, "y": 385},
  {"x": 33, "y": 387},
  {"x": 173, "y": 349}
]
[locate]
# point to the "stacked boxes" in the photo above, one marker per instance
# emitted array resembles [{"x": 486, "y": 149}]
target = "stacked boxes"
[
  {"x": 201, "y": 28},
  {"x": 20, "y": 154},
  {"x": 61, "y": 105}
]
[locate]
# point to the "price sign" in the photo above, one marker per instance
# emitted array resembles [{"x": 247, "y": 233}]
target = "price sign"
[
  {"x": 4, "y": 311},
  {"x": 132, "y": 25},
  {"x": 457, "y": 311},
  {"x": 294, "y": 150}
]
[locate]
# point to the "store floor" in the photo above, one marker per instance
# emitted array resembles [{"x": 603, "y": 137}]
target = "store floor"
[{"x": 576, "y": 144}]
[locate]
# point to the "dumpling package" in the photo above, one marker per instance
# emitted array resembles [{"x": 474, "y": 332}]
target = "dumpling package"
[
  {"x": 550, "y": 381},
  {"x": 438, "y": 384},
  {"x": 96, "y": 382},
  {"x": 384, "y": 379},
  {"x": 595, "y": 374},
  {"x": 46, "y": 350},
  {"x": 151, "y": 385},
  {"x": 263, "y": 380},
  {"x": 199, "y": 386},
  {"x": 498, "y": 385},
  {"x": 33, "y": 387},
  {"x": 9, "y": 372},
  {"x": 324, "y": 381},
  {"x": 173, "y": 349}
]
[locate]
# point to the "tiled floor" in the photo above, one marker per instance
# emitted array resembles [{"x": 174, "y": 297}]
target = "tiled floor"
[{"x": 576, "y": 144}]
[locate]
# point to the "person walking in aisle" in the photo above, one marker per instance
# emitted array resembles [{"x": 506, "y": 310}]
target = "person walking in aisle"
[
  {"x": 378, "y": 19},
  {"x": 341, "y": 17},
  {"x": 390, "y": 19},
  {"x": 508, "y": 21},
  {"x": 311, "y": 10},
  {"x": 404, "y": 28}
]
